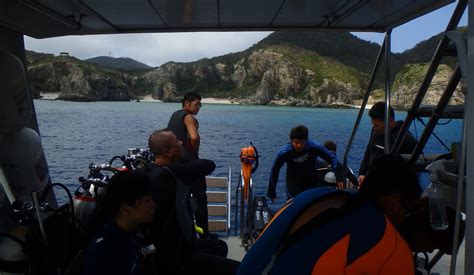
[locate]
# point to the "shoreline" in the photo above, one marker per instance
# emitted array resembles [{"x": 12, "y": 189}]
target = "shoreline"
[
  {"x": 205, "y": 100},
  {"x": 148, "y": 98},
  {"x": 49, "y": 96},
  {"x": 212, "y": 100}
]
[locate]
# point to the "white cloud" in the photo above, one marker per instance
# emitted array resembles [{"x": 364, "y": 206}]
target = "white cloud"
[{"x": 151, "y": 49}]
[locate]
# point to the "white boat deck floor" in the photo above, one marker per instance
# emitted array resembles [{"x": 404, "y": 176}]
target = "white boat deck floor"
[
  {"x": 237, "y": 252},
  {"x": 442, "y": 267}
]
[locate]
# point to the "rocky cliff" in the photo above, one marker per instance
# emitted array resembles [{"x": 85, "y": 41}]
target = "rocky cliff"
[
  {"x": 408, "y": 82},
  {"x": 74, "y": 80},
  {"x": 279, "y": 75},
  {"x": 284, "y": 69}
]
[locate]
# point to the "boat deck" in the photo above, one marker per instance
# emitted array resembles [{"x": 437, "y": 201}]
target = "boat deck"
[
  {"x": 442, "y": 267},
  {"x": 237, "y": 252}
]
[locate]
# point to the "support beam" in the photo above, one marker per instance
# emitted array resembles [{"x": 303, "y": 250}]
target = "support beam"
[
  {"x": 364, "y": 103},
  {"x": 469, "y": 109},
  {"x": 388, "y": 80}
]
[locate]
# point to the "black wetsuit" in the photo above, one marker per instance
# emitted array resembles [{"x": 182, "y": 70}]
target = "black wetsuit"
[
  {"x": 198, "y": 188},
  {"x": 113, "y": 252},
  {"x": 301, "y": 168},
  {"x": 172, "y": 228},
  {"x": 375, "y": 147}
]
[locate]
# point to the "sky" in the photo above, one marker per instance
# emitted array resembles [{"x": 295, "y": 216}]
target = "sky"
[{"x": 158, "y": 48}]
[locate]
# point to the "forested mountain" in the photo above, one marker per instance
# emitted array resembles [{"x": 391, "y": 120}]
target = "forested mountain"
[
  {"x": 118, "y": 63},
  {"x": 285, "y": 68}
]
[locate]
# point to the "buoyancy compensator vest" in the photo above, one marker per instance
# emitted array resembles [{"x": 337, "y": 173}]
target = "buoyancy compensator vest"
[{"x": 322, "y": 232}]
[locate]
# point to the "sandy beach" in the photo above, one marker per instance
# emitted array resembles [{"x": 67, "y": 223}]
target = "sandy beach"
[
  {"x": 367, "y": 107},
  {"x": 148, "y": 98},
  {"x": 49, "y": 96},
  {"x": 211, "y": 100}
]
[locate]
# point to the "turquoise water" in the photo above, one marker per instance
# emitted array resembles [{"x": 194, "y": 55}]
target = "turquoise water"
[{"x": 75, "y": 134}]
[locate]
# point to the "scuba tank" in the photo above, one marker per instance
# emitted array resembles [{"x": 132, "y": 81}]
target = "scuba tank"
[
  {"x": 21, "y": 154},
  {"x": 84, "y": 201},
  {"x": 24, "y": 165}
]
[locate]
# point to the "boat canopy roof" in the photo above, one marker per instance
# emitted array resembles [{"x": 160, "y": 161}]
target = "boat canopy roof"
[{"x": 51, "y": 18}]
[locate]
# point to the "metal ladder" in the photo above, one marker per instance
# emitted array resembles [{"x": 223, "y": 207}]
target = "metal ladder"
[{"x": 218, "y": 203}]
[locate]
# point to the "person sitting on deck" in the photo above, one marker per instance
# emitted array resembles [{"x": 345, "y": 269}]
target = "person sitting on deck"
[
  {"x": 127, "y": 204},
  {"x": 328, "y": 178},
  {"x": 172, "y": 229},
  {"x": 375, "y": 147},
  {"x": 300, "y": 156},
  {"x": 326, "y": 231}
]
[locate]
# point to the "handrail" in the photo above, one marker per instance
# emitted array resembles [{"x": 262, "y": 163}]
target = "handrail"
[
  {"x": 242, "y": 205},
  {"x": 229, "y": 198},
  {"x": 236, "y": 219},
  {"x": 364, "y": 103},
  {"x": 435, "y": 61}
]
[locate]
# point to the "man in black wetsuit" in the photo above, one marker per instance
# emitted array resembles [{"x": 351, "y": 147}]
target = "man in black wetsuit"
[
  {"x": 127, "y": 204},
  {"x": 178, "y": 250},
  {"x": 300, "y": 156},
  {"x": 375, "y": 147},
  {"x": 185, "y": 126}
]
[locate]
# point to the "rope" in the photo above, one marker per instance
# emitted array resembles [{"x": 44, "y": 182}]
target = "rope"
[{"x": 435, "y": 135}]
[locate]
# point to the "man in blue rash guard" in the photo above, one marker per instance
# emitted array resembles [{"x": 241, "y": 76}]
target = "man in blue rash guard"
[{"x": 300, "y": 156}]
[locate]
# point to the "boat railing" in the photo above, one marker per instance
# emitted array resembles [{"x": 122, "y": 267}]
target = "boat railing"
[
  {"x": 440, "y": 52},
  {"x": 435, "y": 113}
]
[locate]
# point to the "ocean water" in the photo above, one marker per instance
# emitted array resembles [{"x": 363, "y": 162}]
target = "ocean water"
[{"x": 75, "y": 134}]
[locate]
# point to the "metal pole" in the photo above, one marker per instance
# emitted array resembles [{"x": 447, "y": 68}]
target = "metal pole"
[
  {"x": 364, "y": 103},
  {"x": 435, "y": 61},
  {"x": 469, "y": 109},
  {"x": 237, "y": 208},
  {"x": 388, "y": 36},
  {"x": 229, "y": 199},
  {"x": 459, "y": 198}
]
